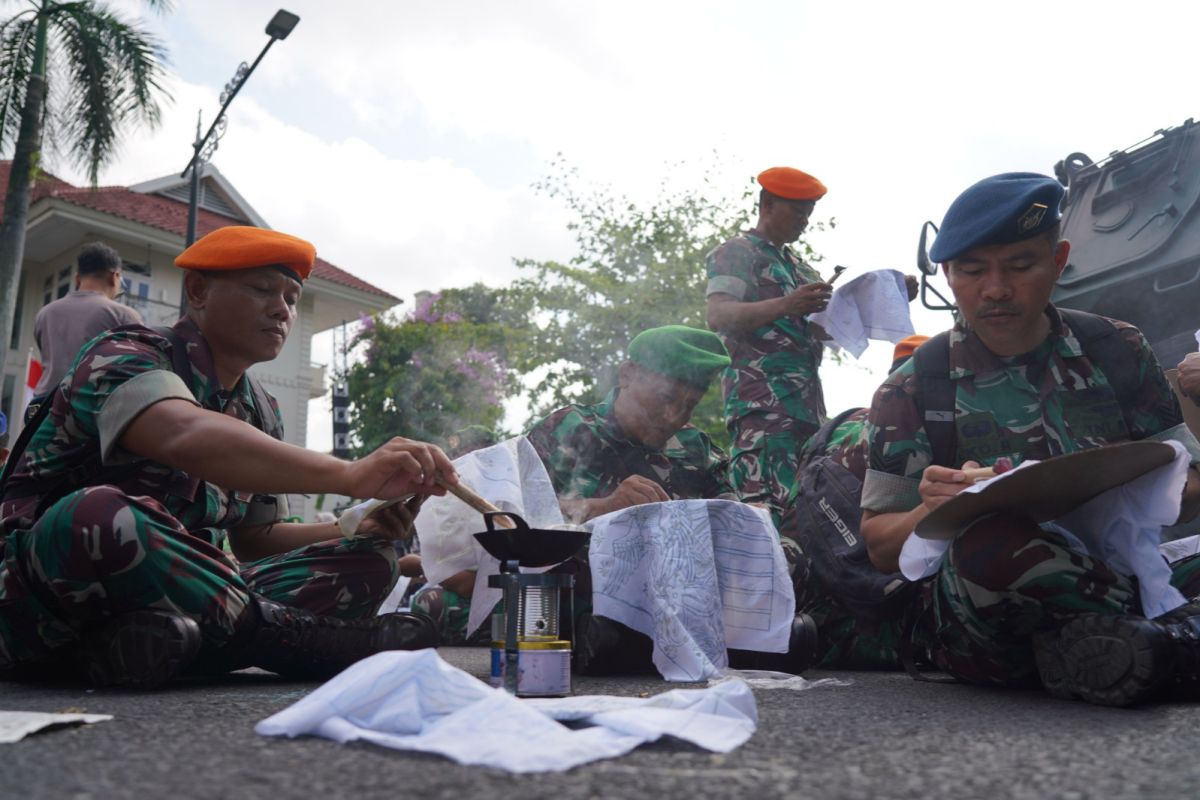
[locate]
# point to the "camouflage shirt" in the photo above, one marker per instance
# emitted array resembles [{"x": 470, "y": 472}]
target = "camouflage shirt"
[
  {"x": 1047, "y": 402},
  {"x": 588, "y": 455},
  {"x": 774, "y": 367},
  {"x": 115, "y": 378}
]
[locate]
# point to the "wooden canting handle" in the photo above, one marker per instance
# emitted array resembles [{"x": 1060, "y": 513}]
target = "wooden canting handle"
[{"x": 468, "y": 496}]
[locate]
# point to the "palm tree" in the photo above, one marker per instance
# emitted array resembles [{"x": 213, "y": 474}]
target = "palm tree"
[{"x": 76, "y": 73}]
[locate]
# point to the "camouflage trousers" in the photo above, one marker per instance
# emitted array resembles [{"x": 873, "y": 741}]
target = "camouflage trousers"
[
  {"x": 450, "y": 612},
  {"x": 99, "y": 552},
  {"x": 851, "y": 641},
  {"x": 1004, "y": 579},
  {"x": 765, "y": 458}
]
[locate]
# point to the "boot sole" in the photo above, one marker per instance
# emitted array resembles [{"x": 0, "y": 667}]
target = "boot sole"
[
  {"x": 143, "y": 649},
  {"x": 1105, "y": 660}
]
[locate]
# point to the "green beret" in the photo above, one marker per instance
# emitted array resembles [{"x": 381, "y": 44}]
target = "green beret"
[{"x": 677, "y": 351}]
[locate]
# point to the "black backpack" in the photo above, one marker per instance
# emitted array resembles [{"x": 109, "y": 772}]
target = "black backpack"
[{"x": 824, "y": 519}]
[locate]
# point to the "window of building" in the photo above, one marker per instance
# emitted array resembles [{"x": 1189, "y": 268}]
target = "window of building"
[{"x": 57, "y": 285}]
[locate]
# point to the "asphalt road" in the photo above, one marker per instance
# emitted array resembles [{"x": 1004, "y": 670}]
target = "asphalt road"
[{"x": 883, "y": 736}]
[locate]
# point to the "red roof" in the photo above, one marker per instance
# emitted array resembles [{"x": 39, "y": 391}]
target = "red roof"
[{"x": 162, "y": 213}]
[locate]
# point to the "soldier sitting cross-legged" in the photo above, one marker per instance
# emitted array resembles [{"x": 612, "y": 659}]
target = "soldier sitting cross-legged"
[
  {"x": 157, "y": 447},
  {"x": 1013, "y": 603},
  {"x": 636, "y": 447}
]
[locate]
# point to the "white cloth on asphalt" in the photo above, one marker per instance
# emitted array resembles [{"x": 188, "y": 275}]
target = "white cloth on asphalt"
[
  {"x": 416, "y": 701},
  {"x": 1121, "y": 527},
  {"x": 770, "y": 679},
  {"x": 873, "y": 305},
  {"x": 697, "y": 577},
  {"x": 16, "y": 725}
]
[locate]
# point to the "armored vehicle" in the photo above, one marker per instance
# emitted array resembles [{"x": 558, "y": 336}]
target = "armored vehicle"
[{"x": 1133, "y": 220}]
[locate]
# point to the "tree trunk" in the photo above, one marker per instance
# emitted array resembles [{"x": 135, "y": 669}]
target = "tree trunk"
[{"x": 16, "y": 209}]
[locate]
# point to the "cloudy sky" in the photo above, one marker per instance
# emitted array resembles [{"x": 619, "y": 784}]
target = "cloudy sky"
[{"x": 403, "y": 137}]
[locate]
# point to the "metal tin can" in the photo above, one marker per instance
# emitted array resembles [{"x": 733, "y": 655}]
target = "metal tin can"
[{"x": 543, "y": 668}]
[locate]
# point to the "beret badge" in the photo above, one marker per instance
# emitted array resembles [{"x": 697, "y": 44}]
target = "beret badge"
[{"x": 1032, "y": 218}]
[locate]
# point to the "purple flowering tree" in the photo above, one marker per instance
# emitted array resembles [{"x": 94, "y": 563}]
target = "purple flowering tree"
[{"x": 432, "y": 371}]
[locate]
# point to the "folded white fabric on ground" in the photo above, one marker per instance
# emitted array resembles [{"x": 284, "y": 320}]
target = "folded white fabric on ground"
[
  {"x": 510, "y": 476},
  {"x": 416, "y": 701},
  {"x": 873, "y": 305},
  {"x": 1121, "y": 527},
  {"x": 696, "y": 576},
  {"x": 16, "y": 725}
]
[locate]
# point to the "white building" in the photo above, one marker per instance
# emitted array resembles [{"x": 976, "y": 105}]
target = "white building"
[{"x": 146, "y": 224}]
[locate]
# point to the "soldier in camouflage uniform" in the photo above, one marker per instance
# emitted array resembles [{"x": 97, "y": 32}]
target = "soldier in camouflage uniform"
[
  {"x": 115, "y": 514},
  {"x": 759, "y": 295},
  {"x": 1012, "y": 604},
  {"x": 636, "y": 445}
]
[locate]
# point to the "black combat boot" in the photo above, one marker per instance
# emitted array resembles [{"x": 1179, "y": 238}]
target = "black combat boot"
[
  {"x": 606, "y": 647},
  {"x": 802, "y": 653},
  {"x": 1119, "y": 660},
  {"x": 300, "y": 644},
  {"x": 142, "y": 649}
]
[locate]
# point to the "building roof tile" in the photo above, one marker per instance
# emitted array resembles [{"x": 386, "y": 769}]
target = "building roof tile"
[{"x": 163, "y": 213}]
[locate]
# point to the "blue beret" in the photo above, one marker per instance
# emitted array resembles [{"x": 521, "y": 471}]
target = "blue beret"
[
  {"x": 998, "y": 210},
  {"x": 690, "y": 355}
]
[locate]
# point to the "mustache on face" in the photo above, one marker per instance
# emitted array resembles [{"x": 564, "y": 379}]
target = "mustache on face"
[{"x": 1002, "y": 308}]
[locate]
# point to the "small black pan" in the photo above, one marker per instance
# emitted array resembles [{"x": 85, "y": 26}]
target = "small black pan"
[{"x": 531, "y": 547}]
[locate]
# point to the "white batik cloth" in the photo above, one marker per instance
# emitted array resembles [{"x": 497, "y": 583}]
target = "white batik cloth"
[
  {"x": 510, "y": 476},
  {"x": 416, "y": 701},
  {"x": 873, "y": 305},
  {"x": 697, "y": 577}
]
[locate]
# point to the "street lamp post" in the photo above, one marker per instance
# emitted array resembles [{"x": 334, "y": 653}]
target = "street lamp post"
[{"x": 202, "y": 149}]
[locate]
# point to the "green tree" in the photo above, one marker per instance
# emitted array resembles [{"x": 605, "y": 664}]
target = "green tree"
[
  {"x": 434, "y": 371},
  {"x": 636, "y": 267},
  {"x": 73, "y": 73}
]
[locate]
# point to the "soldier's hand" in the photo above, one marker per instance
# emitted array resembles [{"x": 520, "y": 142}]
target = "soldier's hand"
[
  {"x": 913, "y": 286},
  {"x": 1189, "y": 376},
  {"x": 939, "y": 484},
  {"x": 410, "y": 566},
  {"x": 635, "y": 491},
  {"x": 400, "y": 467},
  {"x": 392, "y": 522},
  {"x": 809, "y": 299}
]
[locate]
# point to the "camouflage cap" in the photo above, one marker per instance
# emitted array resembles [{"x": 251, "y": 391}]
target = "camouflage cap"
[
  {"x": 690, "y": 355},
  {"x": 1002, "y": 209}
]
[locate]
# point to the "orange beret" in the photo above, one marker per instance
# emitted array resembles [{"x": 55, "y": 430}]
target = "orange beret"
[
  {"x": 245, "y": 247},
  {"x": 791, "y": 184},
  {"x": 906, "y": 346}
]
